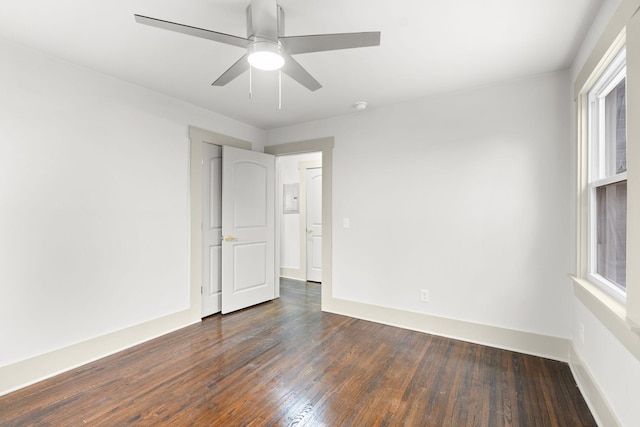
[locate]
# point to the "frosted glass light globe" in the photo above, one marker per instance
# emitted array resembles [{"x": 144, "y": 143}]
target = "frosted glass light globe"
[{"x": 265, "y": 55}]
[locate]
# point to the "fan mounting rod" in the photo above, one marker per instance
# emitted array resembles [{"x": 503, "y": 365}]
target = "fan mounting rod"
[{"x": 279, "y": 17}]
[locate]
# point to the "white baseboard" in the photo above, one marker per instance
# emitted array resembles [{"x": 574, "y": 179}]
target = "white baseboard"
[
  {"x": 593, "y": 395},
  {"x": 38, "y": 368},
  {"x": 292, "y": 273},
  {"x": 493, "y": 336}
]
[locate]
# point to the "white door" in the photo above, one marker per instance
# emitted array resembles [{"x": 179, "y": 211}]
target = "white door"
[
  {"x": 248, "y": 228},
  {"x": 314, "y": 224},
  {"x": 211, "y": 228}
]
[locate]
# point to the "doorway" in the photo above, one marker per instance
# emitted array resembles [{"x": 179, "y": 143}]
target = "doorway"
[
  {"x": 300, "y": 216},
  {"x": 197, "y": 136},
  {"x": 325, "y": 146}
]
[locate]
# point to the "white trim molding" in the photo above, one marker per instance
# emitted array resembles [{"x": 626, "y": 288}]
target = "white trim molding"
[
  {"x": 493, "y": 336},
  {"x": 47, "y": 365},
  {"x": 292, "y": 273},
  {"x": 610, "y": 312},
  {"x": 593, "y": 395}
]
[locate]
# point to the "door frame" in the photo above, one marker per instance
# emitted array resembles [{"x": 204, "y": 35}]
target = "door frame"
[
  {"x": 324, "y": 145},
  {"x": 197, "y": 136}
]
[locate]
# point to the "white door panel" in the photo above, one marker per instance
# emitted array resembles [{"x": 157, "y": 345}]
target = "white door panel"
[
  {"x": 314, "y": 224},
  {"x": 211, "y": 228},
  {"x": 250, "y": 194},
  {"x": 256, "y": 276},
  {"x": 248, "y": 224}
]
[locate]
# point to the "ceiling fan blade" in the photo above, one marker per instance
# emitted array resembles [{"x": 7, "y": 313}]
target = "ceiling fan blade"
[
  {"x": 264, "y": 19},
  {"x": 294, "y": 70},
  {"x": 234, "y": 71},
  {"x": 193, "y": 31},
  {"x": 323, "y": 42}
]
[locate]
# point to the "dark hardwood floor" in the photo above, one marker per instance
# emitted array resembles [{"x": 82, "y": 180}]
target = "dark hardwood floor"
[{"x": 285, "y": 363}]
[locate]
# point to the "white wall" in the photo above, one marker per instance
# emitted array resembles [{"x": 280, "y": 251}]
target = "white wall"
[
  {"x": 290, "y": 223},
  {"x": 93, "y": 202},
  {"x": 463, "y": 194},
  {"x": 607, "y": 9},
  {"x": 614, "y": 369}
]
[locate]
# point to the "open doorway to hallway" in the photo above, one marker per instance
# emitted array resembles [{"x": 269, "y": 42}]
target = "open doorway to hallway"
[{"x": 300, "y": 216}]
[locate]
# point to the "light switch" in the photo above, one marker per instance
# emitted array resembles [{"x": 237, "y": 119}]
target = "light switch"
[{"x": 346, "y": 223}]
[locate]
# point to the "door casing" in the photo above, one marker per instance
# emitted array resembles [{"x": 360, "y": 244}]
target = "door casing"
[
  {"x": 197, "y": 136},
  {"x": 325, "y": 146}
]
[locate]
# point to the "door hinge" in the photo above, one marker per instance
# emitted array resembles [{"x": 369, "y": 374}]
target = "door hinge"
[{"x": 201, "y": 290}]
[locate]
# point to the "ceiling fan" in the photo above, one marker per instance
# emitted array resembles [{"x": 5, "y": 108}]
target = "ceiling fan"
[{"x": 267, "y": 46}]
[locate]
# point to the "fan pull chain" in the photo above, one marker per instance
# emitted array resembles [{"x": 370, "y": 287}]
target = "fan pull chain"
[
  {"x": 279, "y": 90},
  {"x": 250, "y": 83}
]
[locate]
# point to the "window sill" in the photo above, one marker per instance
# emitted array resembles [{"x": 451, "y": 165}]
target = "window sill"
[{"x": 611, "y": 312}]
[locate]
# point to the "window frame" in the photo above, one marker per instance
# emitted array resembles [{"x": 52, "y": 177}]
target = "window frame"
[
  {"x": 605, "y": 80},
  {"x": 621, "y": 320}
]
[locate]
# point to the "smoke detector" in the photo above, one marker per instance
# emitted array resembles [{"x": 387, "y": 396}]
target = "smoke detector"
[{"x": 361, "y": 105}]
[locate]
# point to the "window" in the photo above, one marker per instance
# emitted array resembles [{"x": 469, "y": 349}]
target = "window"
[
  {"x": 607, "y": 95},
  {"x": 607, "y": 179}
]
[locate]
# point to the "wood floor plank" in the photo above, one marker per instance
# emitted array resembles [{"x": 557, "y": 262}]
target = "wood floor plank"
[{"x": 285, "y": 363}]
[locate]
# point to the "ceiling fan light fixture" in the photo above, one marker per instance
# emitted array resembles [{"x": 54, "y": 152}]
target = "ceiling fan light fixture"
[
  {"x": 266, "y": 47},
  {"x": 265, "y": 55}
]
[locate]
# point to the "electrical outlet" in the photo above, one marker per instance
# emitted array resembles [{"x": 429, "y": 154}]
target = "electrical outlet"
[
  {"x": 424, "y": 295},
  {"x": 581, "y": 332}
]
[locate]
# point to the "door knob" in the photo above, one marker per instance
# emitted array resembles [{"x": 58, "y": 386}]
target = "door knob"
[{"x": 230, "y": 238}]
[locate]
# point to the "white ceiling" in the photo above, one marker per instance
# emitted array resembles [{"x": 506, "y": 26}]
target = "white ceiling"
[{"x": 427, "y": 47}]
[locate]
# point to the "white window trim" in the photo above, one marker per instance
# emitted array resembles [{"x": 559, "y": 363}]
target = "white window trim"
[
  {"x": 616, "y": 71},
  {"x": 623, "y": 321},
  {"x": 608, "y": 75},
  {"x": 591, "y": 100}
]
